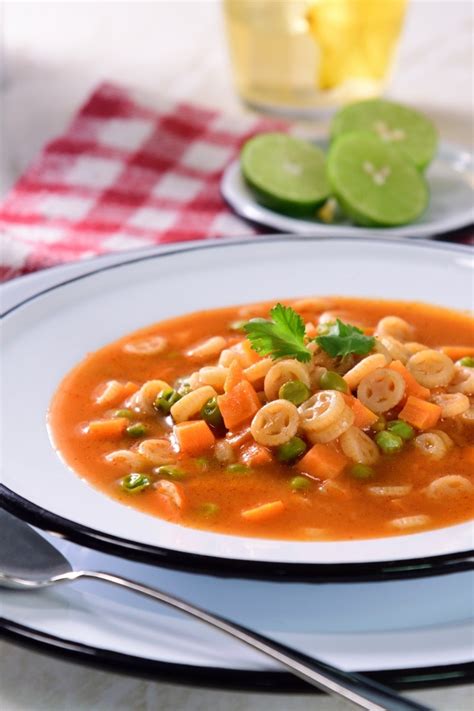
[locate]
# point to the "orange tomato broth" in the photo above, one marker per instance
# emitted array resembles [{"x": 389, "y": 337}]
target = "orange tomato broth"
[{"x": 340, "y": 509}]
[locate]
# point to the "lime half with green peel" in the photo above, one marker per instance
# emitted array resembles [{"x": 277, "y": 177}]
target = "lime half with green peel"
[
  {"x": 286, "y": 174},
  {"x": 374, "y": 183},
  {"x": 402, "y": 127}
]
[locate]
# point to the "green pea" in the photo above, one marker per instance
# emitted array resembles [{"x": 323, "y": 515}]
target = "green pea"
[
  {"x": 133, "y": 483},
  {"x": 202, "y": 463},
  {"x": 136, "y": 430},
  {"x": 380, "y": 424},
  {"x": 333, "y": 381},
  {"x": 362, "y": 471},
  {"x": 237, "y": 325},
  {"x": 238, "y": 468},
  {"x": 291, "y": 450},
  {"x": 467, "y": 362},
  {"x": 170, "y": 472},
  {"x": 209, "y": 509},
  {"x": 300, "y": 483},
  {"x": 166, "y": 399},
  {"x": 402, "y": 429},
  {"x": 184, "y": 388},
  {"x": 129, "y": 414},
  {"x": 388, "y": 442},
  {"x": 211, "y": 414},
  {"x": 295, "y": 391}
]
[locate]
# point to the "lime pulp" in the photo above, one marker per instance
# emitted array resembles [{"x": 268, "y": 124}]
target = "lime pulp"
[
  {"x": 374, "y": 183},
  {"x": 285, "y": 173},
  {"x": 400, "y": 126}
]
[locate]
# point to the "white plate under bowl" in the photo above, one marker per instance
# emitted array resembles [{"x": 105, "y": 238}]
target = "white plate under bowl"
[
  {"x": 46, "y": 335},
  {"x": 450, "y": 179},
  {"x": 404, "y": 633}
]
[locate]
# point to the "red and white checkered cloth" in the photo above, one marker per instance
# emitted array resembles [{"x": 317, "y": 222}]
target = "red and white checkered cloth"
[{"x": 123, "y": 176}]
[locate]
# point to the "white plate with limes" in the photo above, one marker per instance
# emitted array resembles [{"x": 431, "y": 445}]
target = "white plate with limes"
[{"x": 450, "y": 179}]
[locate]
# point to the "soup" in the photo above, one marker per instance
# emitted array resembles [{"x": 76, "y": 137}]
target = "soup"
[{"x": 316, "y": 419}]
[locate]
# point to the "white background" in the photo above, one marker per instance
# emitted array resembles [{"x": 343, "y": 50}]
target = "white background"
[{"x": 53, "y": 55}]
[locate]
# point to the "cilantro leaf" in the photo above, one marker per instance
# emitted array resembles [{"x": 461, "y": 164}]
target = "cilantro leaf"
[
  {"x": 280, "y": 337},
  {"x": 342, "y": 339}
]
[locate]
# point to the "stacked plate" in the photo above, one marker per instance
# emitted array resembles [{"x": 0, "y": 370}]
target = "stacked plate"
[{"x": 399, "y": 608}]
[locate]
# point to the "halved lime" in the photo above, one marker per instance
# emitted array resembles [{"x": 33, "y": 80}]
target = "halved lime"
[
  {"x": 285, "y": 173},
  {"x": 402, "y": 127},
  {"x": 374, "y": 183}
]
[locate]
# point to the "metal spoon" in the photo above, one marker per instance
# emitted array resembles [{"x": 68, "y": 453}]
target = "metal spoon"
[{"x": 29, "y": 562}]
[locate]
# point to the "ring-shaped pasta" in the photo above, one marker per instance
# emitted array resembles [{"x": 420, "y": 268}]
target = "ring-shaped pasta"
[
  {"x": 228, "y": 356},
  {"x": 395, "y": 327},
  {"x": 275, "y": 423},
  {"x": 468, "y": 416},
  {"x": 358, "y": 446},
  {"x": 190, "y": 404},
  {"x": 109, "y": 393},
  {"x": 321, "y": 410},
  {"x": 450, "y": 486},
  {"x": 209, "y": 349},
  {"x": 432, "y": 445},
  {"x": 390, "y": 492},
  {"x": 152, "y": 345},
  {"x": 414, "y": 347},
  {"x": 157, "y": 451},
  {"x": 257, "y": 371},
  {"x": 214, "y": 375},
  {"x": 463, "y": 381},
  {"x": 337, "y": 429},
  {"x": 127, "y": 460},
  {"x": 394, "y": 348},
  {"x": 451, "y": 404},
  {"x": 280, "y": 373},
  {"x": 445, "y": 437},
  {"x": 366, "y": 366},
  {"x": 430, "y": 368},
  {"x": 143, "y": 399},
  {"x": 224, "y": 452},
  {"x": 406, "y": 522},
  {"x": 381, "y": 390}
]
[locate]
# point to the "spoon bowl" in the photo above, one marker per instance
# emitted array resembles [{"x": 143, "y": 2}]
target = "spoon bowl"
[{"x": 29, "y": 562}]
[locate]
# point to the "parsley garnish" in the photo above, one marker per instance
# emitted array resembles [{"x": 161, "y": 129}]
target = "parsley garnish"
[
  {"x": 280, "y": 337},
  {"x": 342, "y": 339}
]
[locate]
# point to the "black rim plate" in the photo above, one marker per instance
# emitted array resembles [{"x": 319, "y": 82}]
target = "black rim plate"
[{"x": 294, "y": 572}]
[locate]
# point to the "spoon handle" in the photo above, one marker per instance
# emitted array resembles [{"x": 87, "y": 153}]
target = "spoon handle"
[{"x": 353, "y": 687}]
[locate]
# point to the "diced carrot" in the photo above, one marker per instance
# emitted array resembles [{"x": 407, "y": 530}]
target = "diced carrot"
[
  {"x": 115, "y": 392},
  {"x": 467, "y": 455},
  {"x": 255, "y": 455},
  {"x": 248, "y": 353},
  {"x": 235, "y": 439},
  {"x": 363, "y": 416},
  {"x": 130, "y": 388},
  {"x": 194, "y": 437},
  {"x": 239, "y": 404},
  {"x": 419, "y": 413},
  {"x": 234, "y": 376},
  {"x": 310, "y": 330},
  {"x": 457, "y": 352},
  {"x": 323, "y": 462},
  {"x": 263, "y": 512},
  {"x": 412, "y": 387},
  {"x": 107, "y": 429}
]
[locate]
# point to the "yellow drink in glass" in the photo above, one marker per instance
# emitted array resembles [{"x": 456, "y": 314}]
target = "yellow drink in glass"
[{"x": 299, "y": 56}]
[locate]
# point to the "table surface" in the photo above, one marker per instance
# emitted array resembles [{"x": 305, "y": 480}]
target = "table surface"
[{"x": 54, "y": 54}]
